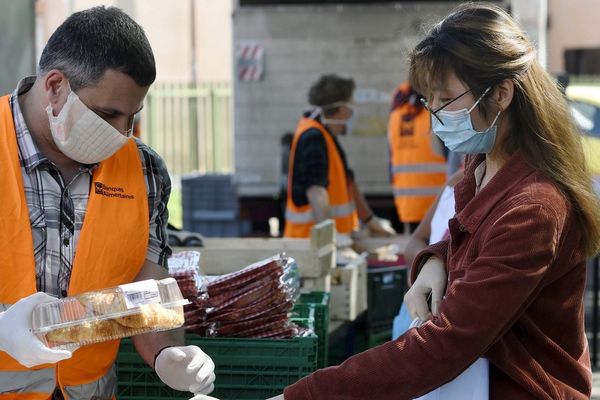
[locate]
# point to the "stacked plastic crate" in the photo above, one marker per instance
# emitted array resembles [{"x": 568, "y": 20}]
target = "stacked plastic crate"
[
  {"x": 211, "y": 207},
  {"x": 315, "y": 305},
  {"x": 249, "y": 369},
  {"x": 386, "y": 286}
]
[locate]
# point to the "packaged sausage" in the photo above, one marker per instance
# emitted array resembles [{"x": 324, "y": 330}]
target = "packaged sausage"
[
  {"x": 253, "y": 302},
  {"x": 184, "y": 266}
]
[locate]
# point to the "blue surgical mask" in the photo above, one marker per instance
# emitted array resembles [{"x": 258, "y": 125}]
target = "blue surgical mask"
[{"x": 458, "y": 133}]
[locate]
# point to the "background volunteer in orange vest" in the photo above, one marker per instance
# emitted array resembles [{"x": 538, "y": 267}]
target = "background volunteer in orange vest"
[
  {"x": 320, "y": 184},
  {"x": 418, "y": 170},
  {"x": 83, "y": 208}
]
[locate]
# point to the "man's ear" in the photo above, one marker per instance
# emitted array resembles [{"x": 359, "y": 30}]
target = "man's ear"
[
  {"x": 56, "y": 88},
  {"x": 503, "y": 93}
]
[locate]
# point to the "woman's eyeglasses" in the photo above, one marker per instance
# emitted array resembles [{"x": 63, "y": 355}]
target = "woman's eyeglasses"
[{"x": 434, "y": 112}]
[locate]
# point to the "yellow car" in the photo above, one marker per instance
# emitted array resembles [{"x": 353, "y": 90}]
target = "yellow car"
[{"x": 585, "y": 107}]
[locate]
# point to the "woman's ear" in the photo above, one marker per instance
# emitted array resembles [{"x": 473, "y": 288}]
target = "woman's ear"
[{"x": 503, "y": 93}]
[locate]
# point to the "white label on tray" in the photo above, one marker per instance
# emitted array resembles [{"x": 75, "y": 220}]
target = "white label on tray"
[{"x": 140, "y": 293}]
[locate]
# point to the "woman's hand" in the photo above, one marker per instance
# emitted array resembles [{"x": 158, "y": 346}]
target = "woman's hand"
[{"x": 430, "y": 284}]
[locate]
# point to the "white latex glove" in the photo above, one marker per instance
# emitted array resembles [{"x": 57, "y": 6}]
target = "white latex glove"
[
  {"x": 203, "y": 397},
  {"x": 343, "y": 240},
  {"x": 16, "y": 337},
  {"x": 430, "y": 283},
  {"x": 186, "y": 368},
  {"x": 380, "y": 227}
]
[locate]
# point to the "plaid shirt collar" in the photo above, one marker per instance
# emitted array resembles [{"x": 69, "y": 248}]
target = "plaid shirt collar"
[{"x": 29, "y": 154}]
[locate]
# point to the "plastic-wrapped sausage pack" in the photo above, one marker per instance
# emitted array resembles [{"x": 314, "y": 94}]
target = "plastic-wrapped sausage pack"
[
  {"x": 183, "y": 266},
  {"x": 253, "y": 302}
]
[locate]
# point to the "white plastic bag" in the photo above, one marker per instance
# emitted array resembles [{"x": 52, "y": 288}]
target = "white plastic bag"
[
  {"x": 472, "y": 384},
  {"x": 443, "y": 212}
]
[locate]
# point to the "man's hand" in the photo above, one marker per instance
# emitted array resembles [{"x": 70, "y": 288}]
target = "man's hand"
[
  {"x": 343, "y": 240},
  {"x": 186, "y": 368},
  {"x": 380, "y": 227},
  {"x": 16, "y": 337},
  {"x": 430, "y": 283},
  {"x": 204, "y": 397}
]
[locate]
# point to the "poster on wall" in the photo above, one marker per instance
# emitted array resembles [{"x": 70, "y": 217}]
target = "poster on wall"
[{"x": 250, "y": 57}]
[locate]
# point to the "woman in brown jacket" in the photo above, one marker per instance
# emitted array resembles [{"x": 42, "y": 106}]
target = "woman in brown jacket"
[{"x": 508, "y": 284}]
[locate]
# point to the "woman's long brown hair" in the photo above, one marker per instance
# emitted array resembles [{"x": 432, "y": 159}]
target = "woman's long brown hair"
[{"x": 482, "y": 45}]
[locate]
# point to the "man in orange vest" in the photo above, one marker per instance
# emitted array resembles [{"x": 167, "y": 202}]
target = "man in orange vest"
[
  {"x": 83, "y": 207},
  {"x": 320, "y": 184},
  {"x": 418, "y": 172}
]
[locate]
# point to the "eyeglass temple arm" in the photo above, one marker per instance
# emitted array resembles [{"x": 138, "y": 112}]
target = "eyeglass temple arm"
[{"x": 452, "y": 101}]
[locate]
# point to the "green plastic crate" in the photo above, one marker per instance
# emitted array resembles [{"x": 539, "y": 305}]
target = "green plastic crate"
[
  {"x": 379, "y": 335},
  {"x": 320, "y": 301},
  {"x": 385, "y": 291},
  {"x": 315, "y": 297},
  {"x": 304, "y": 315},
  {"x": 250, "y": 369}
]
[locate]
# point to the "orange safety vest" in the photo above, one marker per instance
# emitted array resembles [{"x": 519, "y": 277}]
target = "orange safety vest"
[
  {"x": 111, "y": 251},
  {"x": 299, "y": 219},
  {"x": 418, "y": 173}
]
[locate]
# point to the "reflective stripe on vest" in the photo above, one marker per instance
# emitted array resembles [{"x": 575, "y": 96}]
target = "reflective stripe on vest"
[
  {"x": 28, "y": 381},
  {"x": 306, "y": 217},
  {"x": 418, "y": 172},
  {"x": 44, "y": 381},
  {"x": 424, "y": 191},
  {"x": 425, "y": 168},
  {"x": 299, "y": 219},
  {"x": 102, "y": 389}
]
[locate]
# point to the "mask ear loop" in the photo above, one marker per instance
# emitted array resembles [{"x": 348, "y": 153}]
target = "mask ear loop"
[
  {"x": 479, "y": 100},
  {"x": 497, "y": 116},
  {"x": 129, "y": 132},
  {"x": 493, "y": 122},
  {"x": 320, "y": 110},
  {"x": 70, "y": 91},
  {"x": 316, "y": 112}
]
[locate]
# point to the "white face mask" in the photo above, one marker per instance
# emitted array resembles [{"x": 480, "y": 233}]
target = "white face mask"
[
  {"x": 348, "y": 123},
  {"x": 82, "y": 135}
]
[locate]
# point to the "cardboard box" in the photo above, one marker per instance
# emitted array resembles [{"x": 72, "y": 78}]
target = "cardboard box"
[
  {"x": 315, "y": 256},
  {"x": 349, "y": 290}
]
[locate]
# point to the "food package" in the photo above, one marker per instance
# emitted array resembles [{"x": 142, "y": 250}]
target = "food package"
[
  {"x": 184, "y": 266},
  {"x": 114, "y": 313},
  {"x": 253, "y": 302}
]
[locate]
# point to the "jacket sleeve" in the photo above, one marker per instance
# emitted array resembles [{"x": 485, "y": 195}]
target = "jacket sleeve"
[{"x": 518, "y": 250}]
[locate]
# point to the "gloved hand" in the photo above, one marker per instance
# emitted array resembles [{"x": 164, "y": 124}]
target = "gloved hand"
[
  {"x": 380, "y": 227},
  {"x": 203, "y": 397},
  {"x": 16, "y": 337},
  {"x": 429, "y": 285},
  {"x": 343, "y": 240},
  {"x": 186, "y": 368}
]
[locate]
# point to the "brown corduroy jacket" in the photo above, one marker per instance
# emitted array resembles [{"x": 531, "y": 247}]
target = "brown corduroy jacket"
[{"x": 516, "y": 279}]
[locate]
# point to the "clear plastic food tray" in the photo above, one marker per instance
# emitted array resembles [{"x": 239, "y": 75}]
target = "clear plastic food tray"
[{"x": 121, "y": 311}]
